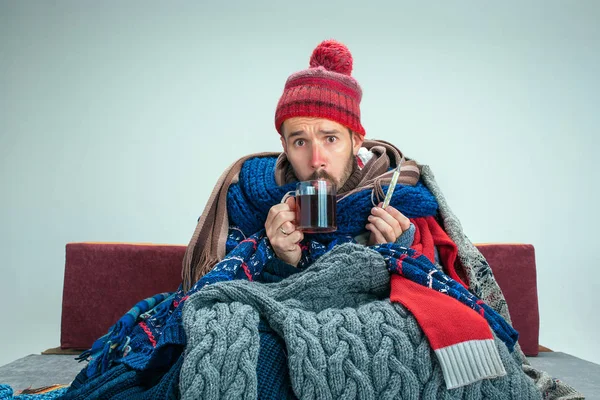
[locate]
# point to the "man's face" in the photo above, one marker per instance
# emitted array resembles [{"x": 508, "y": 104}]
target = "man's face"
[{"x": 320, "y": 148}]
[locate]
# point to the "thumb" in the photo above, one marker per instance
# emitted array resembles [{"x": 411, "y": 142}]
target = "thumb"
[{"x": 291, "y": 202}]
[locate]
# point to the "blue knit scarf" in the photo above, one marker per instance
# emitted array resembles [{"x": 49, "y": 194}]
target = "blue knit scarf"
[{"x": 151, "y": 336}]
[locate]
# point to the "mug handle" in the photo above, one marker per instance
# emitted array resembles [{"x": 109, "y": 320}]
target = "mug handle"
[{"x": 288, "y": 195}]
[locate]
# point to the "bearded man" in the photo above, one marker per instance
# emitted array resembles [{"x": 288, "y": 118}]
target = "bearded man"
[{"x": 396, "y": 303}]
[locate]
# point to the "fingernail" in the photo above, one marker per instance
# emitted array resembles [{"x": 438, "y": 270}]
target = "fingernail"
[{"x": 375, "y": 209}]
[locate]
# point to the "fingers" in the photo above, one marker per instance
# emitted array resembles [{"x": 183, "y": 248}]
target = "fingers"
[
  {"x": 287, "y": 248},
  {"x": 274, "y": 211},
  {"x": 280, "y": 215},
  {"x": 281, "y": 229},
  {"x": 387, "y": 225},
  {"x": 289, "y": 205},
  {"x": 287, "y": 228},
  {"x": 288, "y": 243},
  {"x": 291, "y": 202},
  {"x": 376, "y": 236},
  {"x": 384, "y": 228},
  {"x": 398, "y": 216},
  {"x": 284, "y": 219}
]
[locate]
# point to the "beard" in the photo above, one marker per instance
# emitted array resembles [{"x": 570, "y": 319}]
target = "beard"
[{"x": 348, "y": 169}]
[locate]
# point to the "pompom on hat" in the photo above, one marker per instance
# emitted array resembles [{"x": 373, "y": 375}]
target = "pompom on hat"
[{"x": 325, "y": 90}]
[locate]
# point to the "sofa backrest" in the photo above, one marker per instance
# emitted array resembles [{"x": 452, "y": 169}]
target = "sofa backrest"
[{"x": 104, "y": 280}]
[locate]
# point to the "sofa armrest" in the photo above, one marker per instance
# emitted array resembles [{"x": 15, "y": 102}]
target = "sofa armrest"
[
  {"x": 104, "y": 280},
  {"x": 514, "y": 268}
]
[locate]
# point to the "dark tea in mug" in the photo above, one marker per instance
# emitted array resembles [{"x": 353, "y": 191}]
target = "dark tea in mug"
[
  {"x": 316, "y": 207},
  {"x": 315, "y": 213}
]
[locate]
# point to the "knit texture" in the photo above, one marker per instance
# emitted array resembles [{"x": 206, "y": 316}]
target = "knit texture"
[
  {"x": 485, "y": 286},
  {"x": 381, "y": 158},
  {"x": 121, "y": 382},
  {"x": 272, "y": 371},
  {"x": 117, "y": 340},
  {"x": 343, "y": 339},
  {"x": 461, "y": 338},
  {"x": 414, "y": 266},
  {"x": 324, "y": 90},
  {"x": 249, "y": 201},
  {"x": 157, "y": 338},
  {"x": 165, "y": 327},
  {"x": 6, "y": 393},
  {"x": 207, "y": 245}
]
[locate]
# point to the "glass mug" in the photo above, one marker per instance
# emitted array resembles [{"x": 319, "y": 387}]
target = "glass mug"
[{"x": 315, "y": 206}]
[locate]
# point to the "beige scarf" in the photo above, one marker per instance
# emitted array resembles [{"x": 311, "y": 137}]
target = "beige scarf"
[{"x": 207, "y": 245}]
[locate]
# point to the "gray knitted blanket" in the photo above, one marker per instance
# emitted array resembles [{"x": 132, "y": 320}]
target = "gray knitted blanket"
[
  {"x": 223, "y": 346},
  {"x": 343, "y": 338}
]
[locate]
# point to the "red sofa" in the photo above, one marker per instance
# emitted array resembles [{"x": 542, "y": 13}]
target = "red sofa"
[{"x": 104, "y": 280}]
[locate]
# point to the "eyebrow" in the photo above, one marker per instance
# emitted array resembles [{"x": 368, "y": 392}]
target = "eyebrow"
[{"x": 321, "y": 131}]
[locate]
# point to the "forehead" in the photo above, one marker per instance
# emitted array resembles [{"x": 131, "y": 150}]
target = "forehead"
[{"x": 310, "y": 123}]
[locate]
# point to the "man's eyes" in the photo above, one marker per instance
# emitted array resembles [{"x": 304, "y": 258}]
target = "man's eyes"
[{"x": 302, "y": 142}]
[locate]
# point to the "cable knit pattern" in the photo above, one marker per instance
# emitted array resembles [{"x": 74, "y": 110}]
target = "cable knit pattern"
[
  {"x": 344, "y": 340},
  {"x": 224, "y": 347}
]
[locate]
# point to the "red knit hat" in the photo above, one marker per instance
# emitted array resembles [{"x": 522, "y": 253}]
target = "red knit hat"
[{"x": 324, "y": 90}]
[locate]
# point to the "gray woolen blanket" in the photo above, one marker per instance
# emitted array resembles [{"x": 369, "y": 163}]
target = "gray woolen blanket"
[{"x": 343, "y": 337}]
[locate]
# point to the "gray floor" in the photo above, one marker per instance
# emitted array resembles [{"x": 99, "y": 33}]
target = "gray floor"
[
  {"x": 37, "y": 370},
  {"x": 42, "y": 370},
  {"x": 580, "y": 374}
]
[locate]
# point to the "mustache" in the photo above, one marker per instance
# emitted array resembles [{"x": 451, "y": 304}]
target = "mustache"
[{"x": 321, "y": 175}]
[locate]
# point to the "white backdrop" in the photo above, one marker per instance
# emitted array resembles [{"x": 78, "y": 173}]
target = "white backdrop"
[{"x": 117, "y": 119}]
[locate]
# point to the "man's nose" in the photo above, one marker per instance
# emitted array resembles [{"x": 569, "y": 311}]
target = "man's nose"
[{"x": 317, "y": 160}]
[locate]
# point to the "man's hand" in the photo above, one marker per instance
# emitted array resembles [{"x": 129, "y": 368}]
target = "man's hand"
[
  {"x": 282, "y": 232},
  {"x": 387, "y": 225}
]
